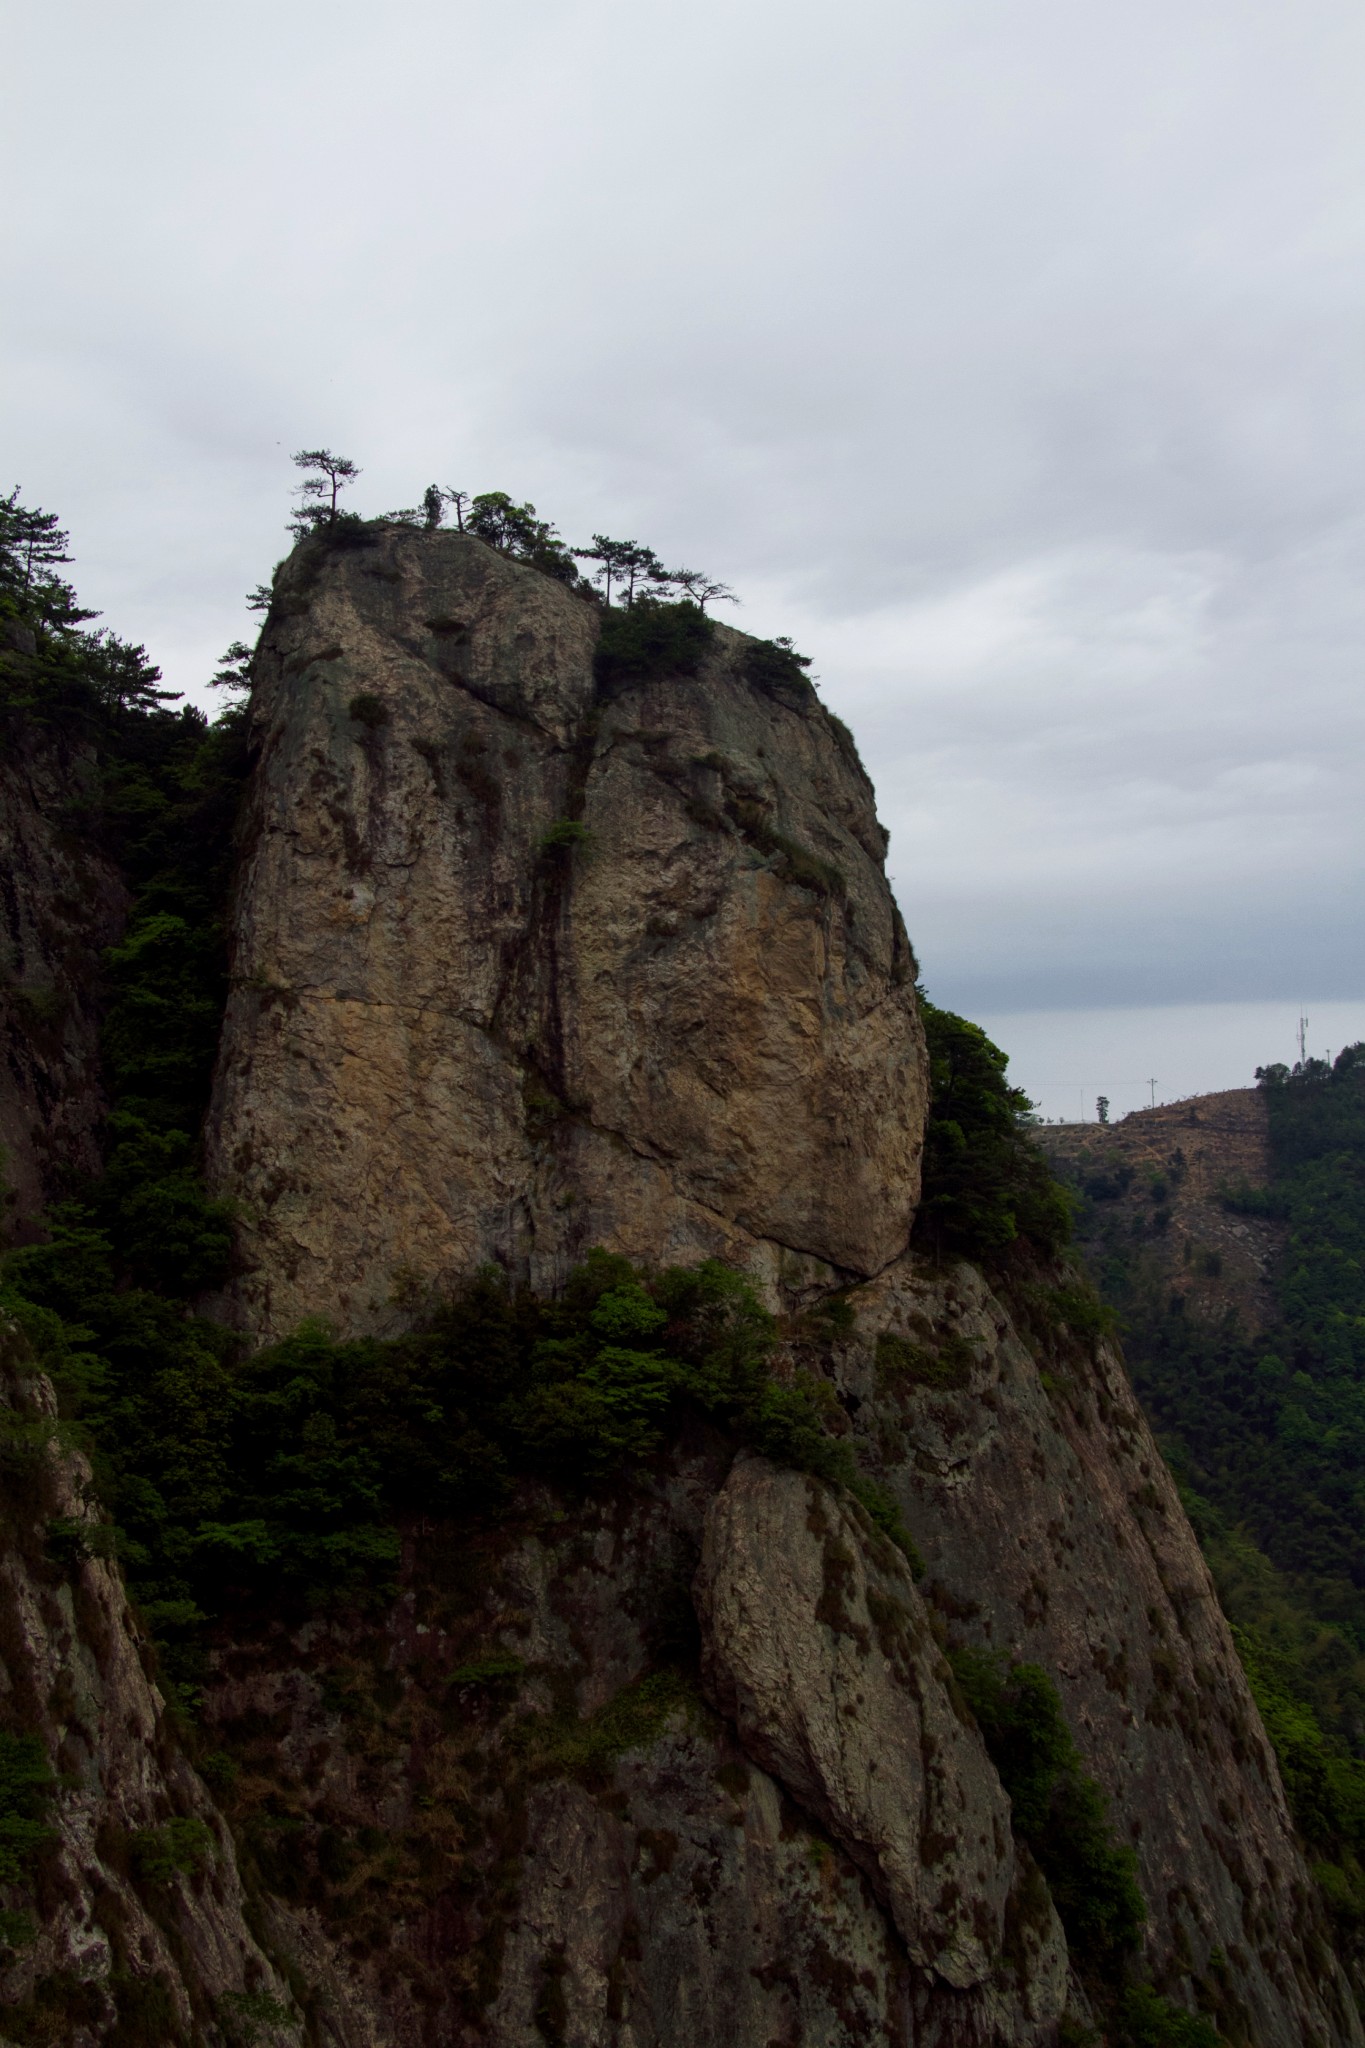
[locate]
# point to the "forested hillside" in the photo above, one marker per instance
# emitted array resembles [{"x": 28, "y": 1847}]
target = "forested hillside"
[{"x": 1260, "y": 1402}]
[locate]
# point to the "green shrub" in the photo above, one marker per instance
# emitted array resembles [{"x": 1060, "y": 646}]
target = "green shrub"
[
  {"x": 650, "y": 639},
  {"x": 949, "y": 1365},
  {"x": 986, "y": 1185},
  {"x": 159, "y": 1855},
  {"x": 1058, "y": 1810},
  {"x": 776, "y": 669},
  {"x": 564, "y": 834},
  {"x": 69, "y": 1542},
  {"x": 27, "y": 1785},
  {"x": 1146, "y": 2020},
  {"x": 243, "y": 2015}
]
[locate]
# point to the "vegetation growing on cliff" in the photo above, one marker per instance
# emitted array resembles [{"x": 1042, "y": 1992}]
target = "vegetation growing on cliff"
[
  {"x": 1057, "y": 1809},
  {"x": 287, "y": 1472},
  {"x": 1059, "y": 1812},
  {"x": 650, "y": 638},
  {"x": 26, "y": 1788},
  {"x": 986, "y": 1188}
]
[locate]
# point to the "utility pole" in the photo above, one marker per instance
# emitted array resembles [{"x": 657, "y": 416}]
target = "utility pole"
[
  {"x": 1152, "y": 1085},
  {"x": 1303, "y": 1038}
]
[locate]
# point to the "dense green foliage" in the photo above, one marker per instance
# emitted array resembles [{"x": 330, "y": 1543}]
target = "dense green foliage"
[
  {"x": 286, "y": 1473},
  {"x": 650, "y": 638},
  {"x": 1057, "y": 1810},
  {"x": 1062, "y": 1816},
  {"x": 516, "y": 530},
  {"x": 1143, "y": 2019},
  {"x": 775, "y": 668},
  {"x": 987, "y": 1188},
  {"x": 161, "y": 806},
  {"x": 26, "y": 1787},
  {"x": 1267, "y": 1435}
]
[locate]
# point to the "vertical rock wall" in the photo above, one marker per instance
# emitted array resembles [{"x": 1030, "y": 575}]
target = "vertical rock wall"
[
  {"x": 522, "y": 966},
  {"x": 1053, "y": 1532},
  {"x": 139, "y": 1921},
  {"x": 520, "y": 969}
]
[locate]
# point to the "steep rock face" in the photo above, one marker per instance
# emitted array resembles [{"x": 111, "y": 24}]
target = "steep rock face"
[
  {"x": 122, "y": 1933},
  {"x": 509, "y": 1817},
  {"x": 520, "y": 969},
  {"x": 1053, "y": 1531},
  {"x": 818, "y": 1650},
  {"x": 61, "y": 903}
]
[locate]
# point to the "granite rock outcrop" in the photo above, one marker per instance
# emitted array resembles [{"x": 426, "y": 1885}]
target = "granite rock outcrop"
[
  {"x": 524, "y": 965},
  {"x": 533, "y": 954}
]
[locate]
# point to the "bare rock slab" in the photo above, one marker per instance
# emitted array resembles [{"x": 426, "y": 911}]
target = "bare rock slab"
[{"x": 818, "y": 1648}]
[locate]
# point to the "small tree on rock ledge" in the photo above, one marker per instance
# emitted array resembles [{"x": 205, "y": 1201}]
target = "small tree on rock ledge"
[{"x": 318, "y": 494}]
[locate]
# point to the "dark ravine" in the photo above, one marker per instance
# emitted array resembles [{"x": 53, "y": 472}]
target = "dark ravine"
[
  {"x": 62, "y": 902},
  {"x": 523, "y": 965}
]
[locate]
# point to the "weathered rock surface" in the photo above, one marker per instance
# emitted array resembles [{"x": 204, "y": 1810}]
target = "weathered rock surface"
[
  {"x": 115, "y": 1938},
  {"x": 511, "y": 1818},
  {"x": 523, "y": 966},
  {"x": 1052, "y": 1530},
  {"x": 61, "y": 903},
  {"x": 520, "y": 969},
  {"x": 818, "y": 1649}
]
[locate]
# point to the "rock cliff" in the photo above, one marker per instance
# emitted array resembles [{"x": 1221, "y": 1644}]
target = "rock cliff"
[
  {"x": 533, "y": 953},
  {"x": 140, "y": 1931},
  {"x": 1051, "y": 1529},
  {"x": 524, "y": 965}
]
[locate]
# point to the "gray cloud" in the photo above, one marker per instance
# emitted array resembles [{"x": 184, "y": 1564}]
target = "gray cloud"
[{"x": 1007, "y": 356}]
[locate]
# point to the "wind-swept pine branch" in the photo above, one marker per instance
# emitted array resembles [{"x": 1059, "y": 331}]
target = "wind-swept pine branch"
[
  {"x": 317, "y": 494},
  {"x": 699, "y": 588},
  {"x": 234, "y": 669}
]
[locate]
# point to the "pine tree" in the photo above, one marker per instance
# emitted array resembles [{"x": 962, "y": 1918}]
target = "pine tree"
[
  {"x": 123, "y": 678},
  {"x": 32, "y": 547},
  {"x": 317, "y": 494},
  {"x": 613, "y": 557}
]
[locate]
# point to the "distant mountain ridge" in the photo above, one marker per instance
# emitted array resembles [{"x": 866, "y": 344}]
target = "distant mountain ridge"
[{"x": 1160, "y": 1174}]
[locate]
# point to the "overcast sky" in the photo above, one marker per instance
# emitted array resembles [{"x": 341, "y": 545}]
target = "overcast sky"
[{"x": 1008, "y": 353}]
